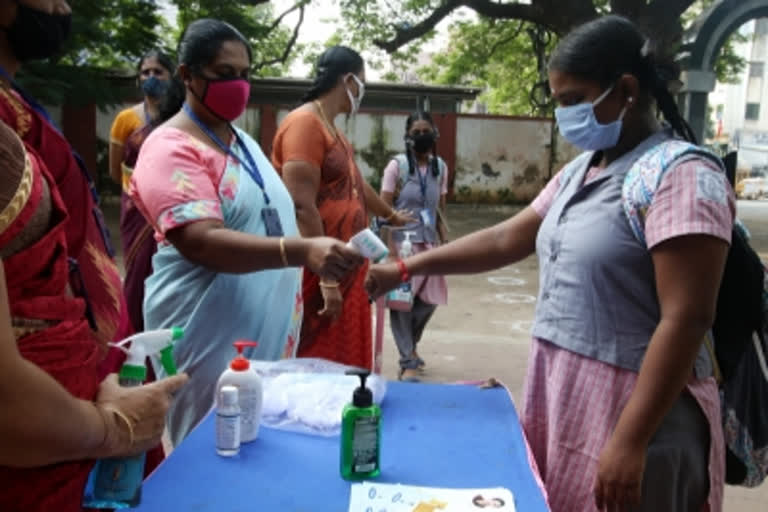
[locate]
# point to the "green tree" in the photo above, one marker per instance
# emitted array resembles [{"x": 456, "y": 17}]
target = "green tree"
[
  {"x": 505, "y": 57},
  {"x": 274, "y": 45},
  {"x": 503, "y": 47},
  {"x": 729, "y": 65},
  {"x": 109, "y": 36}
]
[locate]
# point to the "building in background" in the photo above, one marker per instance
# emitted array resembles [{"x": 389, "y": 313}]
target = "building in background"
[{"x": 739, "y": 111}]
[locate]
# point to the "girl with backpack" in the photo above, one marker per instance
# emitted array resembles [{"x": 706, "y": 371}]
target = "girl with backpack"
[
  {"x": 621, "y": 411},
  {"x": 417, "y": 181}
]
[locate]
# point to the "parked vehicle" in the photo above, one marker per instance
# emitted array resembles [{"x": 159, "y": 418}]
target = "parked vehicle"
[{"x": 752, "y": 188}]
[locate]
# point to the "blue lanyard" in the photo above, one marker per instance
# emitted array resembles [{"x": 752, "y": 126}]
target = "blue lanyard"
[
  {"x": 250, "y": 166},
  {"x": 422, "y": 181}
]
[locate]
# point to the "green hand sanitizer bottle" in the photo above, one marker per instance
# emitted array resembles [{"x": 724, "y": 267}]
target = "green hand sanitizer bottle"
[{"x": 360, "y": 434}]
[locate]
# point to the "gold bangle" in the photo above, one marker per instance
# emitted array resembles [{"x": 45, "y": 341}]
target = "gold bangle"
[
  {"x": 126, "y": 420},
  {"x": 326, "y": 284},
  {"x": 283, "y": 254},
  {"x": 105, "y": 424},
  {"x": 391, "y": 215}
]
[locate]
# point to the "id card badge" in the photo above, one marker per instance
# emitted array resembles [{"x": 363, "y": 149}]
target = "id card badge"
[
  {"x": 272, "y": 221},
  {"x": 426, "y": 218}
]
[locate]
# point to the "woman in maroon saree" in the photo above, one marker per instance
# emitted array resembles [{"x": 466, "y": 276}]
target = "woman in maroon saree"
[
  {"x": 65, "y": 292},
  {"x": 136, "y": 234}
]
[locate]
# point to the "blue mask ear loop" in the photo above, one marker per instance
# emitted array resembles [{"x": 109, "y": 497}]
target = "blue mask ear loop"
[{"x": 605, "y": 95}]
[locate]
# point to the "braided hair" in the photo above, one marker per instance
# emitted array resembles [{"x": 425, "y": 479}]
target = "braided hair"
[
  {"x": 409, "y": 152},
  {"x": 606, "y": 48},
  {"x": 334, "y": 63}
]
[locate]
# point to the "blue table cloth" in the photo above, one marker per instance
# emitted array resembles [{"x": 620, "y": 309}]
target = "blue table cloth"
[{"x": 432, "y": 435}]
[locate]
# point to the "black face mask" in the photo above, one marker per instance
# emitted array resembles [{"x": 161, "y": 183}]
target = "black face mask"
[
  {"x": 37, "y": 35},
  {"x": 422, "y": 142}
]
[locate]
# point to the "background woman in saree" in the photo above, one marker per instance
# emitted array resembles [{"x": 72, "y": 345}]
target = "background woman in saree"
[
  {"x": 154, "y": 72},
  {"x": 221, "y": 271},
  {"x": 136, "y": 234},
  {"x": 332, "y": 198}
]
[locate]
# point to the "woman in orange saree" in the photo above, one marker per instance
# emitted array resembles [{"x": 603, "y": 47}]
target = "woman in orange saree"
[{"x": 332, "y": 198}]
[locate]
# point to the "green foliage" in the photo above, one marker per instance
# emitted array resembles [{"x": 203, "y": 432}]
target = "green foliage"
[
  {"x": 109, "y": 36},
  {"x": 495, "y": 54},
  {"x": 256, "y": 22},
  {"x": 728, "y": 66}
]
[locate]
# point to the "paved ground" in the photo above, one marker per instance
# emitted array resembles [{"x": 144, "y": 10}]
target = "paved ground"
[{"x": 484, "y": 330}]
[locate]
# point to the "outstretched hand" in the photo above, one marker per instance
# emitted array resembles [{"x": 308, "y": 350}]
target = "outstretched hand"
[
  {"x": 381, "y": 279},
  {"x": 331, "y": 259}
]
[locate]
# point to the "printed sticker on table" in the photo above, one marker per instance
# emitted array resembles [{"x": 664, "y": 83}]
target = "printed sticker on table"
[{"x": 373, "y": 497}]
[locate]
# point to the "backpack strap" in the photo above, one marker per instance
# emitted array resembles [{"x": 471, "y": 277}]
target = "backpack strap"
[
  {"x": 646, "y": 174},
  {"x": 639, "y": 188},
  {"x": 403, "y": 169}
]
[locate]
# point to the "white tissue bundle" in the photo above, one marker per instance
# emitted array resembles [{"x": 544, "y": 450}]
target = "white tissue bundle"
[{"x": 308, "y": 395}]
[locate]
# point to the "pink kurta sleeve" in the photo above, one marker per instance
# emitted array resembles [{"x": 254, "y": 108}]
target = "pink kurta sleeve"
[
  {"x": 543, "y": 201},
  {"x": 444, "y": 183},
  {"x": 693, "y": 198},
  {"x": 390, "y": 176},
  {"x": 176, "y": 180}
]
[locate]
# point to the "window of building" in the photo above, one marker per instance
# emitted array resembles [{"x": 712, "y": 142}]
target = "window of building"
[
  {"x": 761, "y": 27},
  {"x": 753, "y": 112},
  {"x": 756, "y": 69}
]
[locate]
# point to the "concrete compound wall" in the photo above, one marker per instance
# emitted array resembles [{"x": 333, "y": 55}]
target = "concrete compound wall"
[{"x": 492, "y": 159}]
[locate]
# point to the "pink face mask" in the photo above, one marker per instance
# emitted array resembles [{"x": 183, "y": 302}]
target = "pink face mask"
[{"x": 227, "y": 98}]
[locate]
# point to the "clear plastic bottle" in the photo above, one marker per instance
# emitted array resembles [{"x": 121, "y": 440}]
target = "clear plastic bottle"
[
  {"x": 116, "y": 483},
  {"x": 401, "y": 298},
  {"x": 228, "y": 422}
]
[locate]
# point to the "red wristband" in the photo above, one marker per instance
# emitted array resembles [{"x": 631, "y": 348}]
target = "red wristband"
[{"x": 404, "y": 275}]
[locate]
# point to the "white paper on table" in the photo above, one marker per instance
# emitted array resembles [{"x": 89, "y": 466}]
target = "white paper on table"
[{"x": 373, "y": 497}]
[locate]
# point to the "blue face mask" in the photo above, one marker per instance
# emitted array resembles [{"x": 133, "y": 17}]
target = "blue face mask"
[
  {"x": 579, "y": 126},
  {"x": 154, "y": 87}
]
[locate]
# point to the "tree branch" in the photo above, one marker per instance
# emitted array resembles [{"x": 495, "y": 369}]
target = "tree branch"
[
  {"x": 526, "y": 12},
  {"x": 539, "y": 12},
  {"x": 279, "y": 19},
  {"x": 291, "y": 43},
  {"x": 629, "y": 8},
  {"x": 668, "y": 9},
  {"x": 661, "y": 22},
  {"x": 404, "y": 35},
  {"x": 501, "y": 42}
]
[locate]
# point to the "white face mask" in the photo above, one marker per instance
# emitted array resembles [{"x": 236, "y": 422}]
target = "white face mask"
[{"x": 354, "y": 103}]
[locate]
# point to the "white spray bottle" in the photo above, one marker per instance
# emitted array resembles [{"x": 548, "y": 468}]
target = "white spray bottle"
[
  {"x": 401, "y": 298},
  {"x": 116, "y": 483},
  {"x": 249, "y": 391}
]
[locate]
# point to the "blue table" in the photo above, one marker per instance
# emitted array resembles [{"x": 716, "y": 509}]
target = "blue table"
[{"x": 432, "y": 435}]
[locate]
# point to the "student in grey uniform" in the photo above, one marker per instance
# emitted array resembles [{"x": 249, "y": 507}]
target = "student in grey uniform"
[
  {"x": 621, "y": 408},
  {"x": 416, "y": 181}
]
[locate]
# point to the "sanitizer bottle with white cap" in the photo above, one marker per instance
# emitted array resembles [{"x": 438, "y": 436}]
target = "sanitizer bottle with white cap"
[{"x": 249, "y": 390}]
